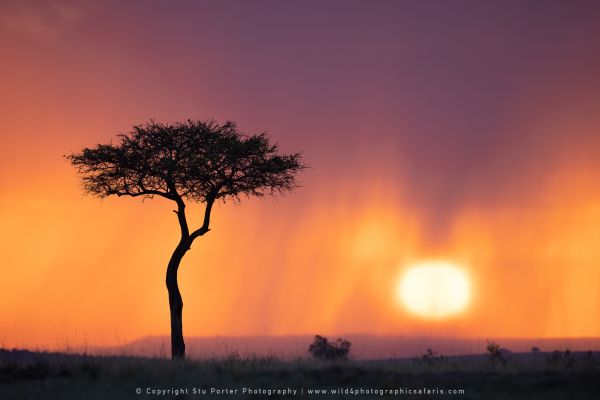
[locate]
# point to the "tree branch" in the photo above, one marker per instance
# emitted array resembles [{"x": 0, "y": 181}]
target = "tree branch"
[
  {"x": 185, "y": 232},
  {"x": 146, "y": 192},
  {"x": 205, "y": 224}
]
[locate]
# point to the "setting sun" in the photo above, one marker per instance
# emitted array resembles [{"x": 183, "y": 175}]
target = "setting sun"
[{"x": 434, "y": 289}]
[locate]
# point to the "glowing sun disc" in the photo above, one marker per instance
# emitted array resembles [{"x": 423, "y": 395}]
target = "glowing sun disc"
[{"x": 434, "y": 289}]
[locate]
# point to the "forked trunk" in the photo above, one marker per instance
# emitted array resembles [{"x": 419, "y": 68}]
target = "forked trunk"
[{"x": 176, "y": 304}]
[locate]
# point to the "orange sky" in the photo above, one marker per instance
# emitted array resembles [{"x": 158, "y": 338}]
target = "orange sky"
[{"x": 495, "y": 169}]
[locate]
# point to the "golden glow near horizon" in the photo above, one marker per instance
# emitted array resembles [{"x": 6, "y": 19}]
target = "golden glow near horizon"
[{"x": 434, "y": 290}]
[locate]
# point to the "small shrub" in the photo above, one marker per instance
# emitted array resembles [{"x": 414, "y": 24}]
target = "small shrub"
[
  {"x": 561, "y": 359},
  {"x": 588, "y": 358},
  {"x": 322, "y": 349},
  {"x": 430, "y": 357},
  {"x": 495, "y": 353}
]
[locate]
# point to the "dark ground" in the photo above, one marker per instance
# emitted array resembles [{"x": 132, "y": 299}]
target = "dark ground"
[{"x": 30, "y": 375}]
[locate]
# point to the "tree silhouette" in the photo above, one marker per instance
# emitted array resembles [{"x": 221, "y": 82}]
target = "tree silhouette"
[{"x": 194, "y": 161}]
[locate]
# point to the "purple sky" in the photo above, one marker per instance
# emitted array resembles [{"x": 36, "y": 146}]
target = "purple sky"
[{"x": 470, "y": 102}]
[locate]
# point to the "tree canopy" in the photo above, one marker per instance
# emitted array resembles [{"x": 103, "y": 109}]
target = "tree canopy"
[{"x": 201, "y": 161}]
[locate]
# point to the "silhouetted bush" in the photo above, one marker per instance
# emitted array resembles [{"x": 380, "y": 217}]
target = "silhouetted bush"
[
  {"x": 496, "y": 353},
  {"x": 322, "y": 349},
  {"x": 430, "y": 357},
  {"x": 561, "y": 359}
]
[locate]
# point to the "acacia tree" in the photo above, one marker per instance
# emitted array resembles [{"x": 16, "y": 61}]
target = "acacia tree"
[{"x": 195, "y": 161}]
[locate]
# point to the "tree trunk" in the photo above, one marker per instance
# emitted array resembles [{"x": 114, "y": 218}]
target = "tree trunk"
[{"x": 176, "y": 303}]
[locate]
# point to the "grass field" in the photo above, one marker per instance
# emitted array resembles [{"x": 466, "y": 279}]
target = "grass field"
[{"x": 31, "y": 375}]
